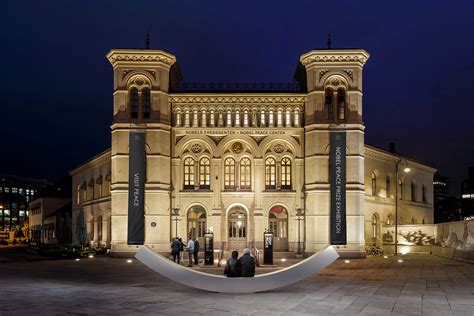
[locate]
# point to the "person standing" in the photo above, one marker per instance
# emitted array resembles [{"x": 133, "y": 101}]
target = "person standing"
[
  {"x": 247, "y": 264},
  {"x": 181, "y": 249},
  {"x": 190, "y": 249},
  {"x": 196, "y": 251},
  {"x": 176, "y": 249}
]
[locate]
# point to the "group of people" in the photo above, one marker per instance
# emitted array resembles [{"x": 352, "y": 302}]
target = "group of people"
[
  {"x": 235, "y": 267},
  {"x": 192, "y": 248},
  {"x": 240, "y": 267}
]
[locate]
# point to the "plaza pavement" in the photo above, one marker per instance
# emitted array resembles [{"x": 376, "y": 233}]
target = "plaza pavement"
[{"x": 421, "y": 285}]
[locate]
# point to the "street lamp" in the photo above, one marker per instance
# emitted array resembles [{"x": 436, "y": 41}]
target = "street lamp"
[
  {"x": 405, "y": 170},
  {"x": 299, "y": 218},
  {"x": 176, "y": 219}
]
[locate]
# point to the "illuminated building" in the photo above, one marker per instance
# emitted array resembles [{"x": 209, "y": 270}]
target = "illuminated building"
[{"x": 239, "y": 159}]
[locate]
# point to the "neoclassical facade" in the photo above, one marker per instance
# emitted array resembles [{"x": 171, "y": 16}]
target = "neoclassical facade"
[{"x": 238, "y": 160}]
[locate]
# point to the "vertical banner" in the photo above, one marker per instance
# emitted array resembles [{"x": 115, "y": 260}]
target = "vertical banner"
[
  {"x": 136, "y": 189},
  {"x": 337, "y": 160}
]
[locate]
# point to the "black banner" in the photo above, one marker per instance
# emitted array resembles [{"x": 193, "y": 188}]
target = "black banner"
[
  {"x": 337, "y": 160},
  {"x": 136, "y": 189}
]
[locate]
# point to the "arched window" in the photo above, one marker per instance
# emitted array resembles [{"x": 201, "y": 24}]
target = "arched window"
[
  {"x": 400, "y": 189},
  {"x": 328, "y": 106},
  {"x": 134, "y": 99},
  {"x": 288, "y": 118},
  {"x": 204, "y": 173},
  {"x": 387, "y": 187},
  {"x": 423, "y": 193},
  {"x": 341, "y": 104},
  {"x": 229, "y": 118},
  {"x": 146, "y": 98},
  {"x": 78, "y": 195},
  {"x": 374, "y": 226},
  {"x": 189, "y": 173},
  {"x": 245, "y": 173},
  {"x": 286, "y": 173},
  {"x": 413, "y": 191},
  {"x": 229, "y": 174},
  {"x": 374, "y": 183},
  {"x": 270, "y": 173},
  {"x": 262, "y": 118}
]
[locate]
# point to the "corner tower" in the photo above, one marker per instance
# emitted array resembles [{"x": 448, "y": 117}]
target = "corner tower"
[
  {"x": 141, "y": 84},
  {"x": 333, "y": 79}
]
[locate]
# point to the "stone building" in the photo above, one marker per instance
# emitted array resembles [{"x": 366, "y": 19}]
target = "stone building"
[{"x": 242, "y": 159}]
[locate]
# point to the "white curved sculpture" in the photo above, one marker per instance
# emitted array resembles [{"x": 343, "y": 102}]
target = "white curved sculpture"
[{"x": 222, "y": 284}]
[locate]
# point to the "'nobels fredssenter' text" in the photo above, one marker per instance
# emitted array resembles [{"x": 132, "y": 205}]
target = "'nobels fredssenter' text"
[{"x": 235, "y": 132}]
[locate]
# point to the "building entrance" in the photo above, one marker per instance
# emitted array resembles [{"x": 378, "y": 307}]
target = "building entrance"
[
  {"x": 278, "y": 225},
  {"x": 237, "y": 228},
  {"x": 197, "y": 223}
]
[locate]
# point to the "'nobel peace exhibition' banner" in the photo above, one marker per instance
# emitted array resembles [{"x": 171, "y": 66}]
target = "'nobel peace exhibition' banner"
[{"x": 337, "y": 159}]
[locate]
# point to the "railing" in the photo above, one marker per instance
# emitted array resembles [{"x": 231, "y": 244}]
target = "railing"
[{"x": 237, "y": 87}]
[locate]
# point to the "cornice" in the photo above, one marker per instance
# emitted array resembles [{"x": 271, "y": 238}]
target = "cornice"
[
  {"x": 330, "y": 55},
  {"x": 94, "y": 161},
  {"x": 239, "y": 99},
  {"x": 133, "y": 55}
]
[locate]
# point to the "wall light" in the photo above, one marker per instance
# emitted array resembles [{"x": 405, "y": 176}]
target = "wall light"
[
  {"x": 129, "y": 261},
  {"x": 385, "y": 257},
  {"x": 77, "y": 259},
  {"x": 91, "y": 256},
  {"x": 405, "y": 250},
  {"x": 347, "y": 261},
  {"x": 400, "y": 260},
  {"x": 407, "y": 170}
]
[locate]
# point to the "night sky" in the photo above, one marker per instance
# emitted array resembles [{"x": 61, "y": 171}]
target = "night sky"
[{"x": 56, "y": 84}]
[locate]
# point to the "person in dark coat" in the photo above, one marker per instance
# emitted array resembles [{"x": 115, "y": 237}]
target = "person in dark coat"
[
  {"x": 247, "y": 264},
  {"x": 232, "y": 267},
  {"x": 176, "y": 249},
  {"x": 181, "y": 248},
  {"x": 196, "y": 251}
]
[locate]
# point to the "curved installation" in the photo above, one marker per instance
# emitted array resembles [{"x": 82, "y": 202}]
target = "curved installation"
[{"x": 222, "y": 284}]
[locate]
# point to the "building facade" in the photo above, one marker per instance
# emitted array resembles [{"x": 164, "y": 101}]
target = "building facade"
[{"x": 240, "y": 160}]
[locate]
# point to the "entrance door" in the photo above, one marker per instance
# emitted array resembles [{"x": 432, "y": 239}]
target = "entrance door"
[
  {"x": 237, "y": 228},
  {"x": 278, "y": 225},
  {"x": 197, "y": 224}
]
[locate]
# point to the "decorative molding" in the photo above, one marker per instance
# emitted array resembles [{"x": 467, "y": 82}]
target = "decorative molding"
[
  {"x": 153, "y": 73},
  {"x": 237, "y": 99},
  {"x": 258, "y": 139},
  {"x": 349, "y": 73},
  {"x": 216, "y": 139},
  {"x": 196, "y": 148},
  {"x": 359, "y": 56},
  {"x": 115, "y": 56},
  {"x": 322, "y": 73}
]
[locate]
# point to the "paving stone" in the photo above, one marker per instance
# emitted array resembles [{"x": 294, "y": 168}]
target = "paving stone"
[{"x": 374, "y": 286}]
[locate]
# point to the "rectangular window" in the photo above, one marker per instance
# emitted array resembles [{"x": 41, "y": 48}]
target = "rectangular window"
[
  {"x": 14, "y": 190},
  {"x": 7, "y": 190},
  {"x": 21, "y": 191}
]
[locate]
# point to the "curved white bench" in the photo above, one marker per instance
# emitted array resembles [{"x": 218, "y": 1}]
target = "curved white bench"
[{"x": 220, "y": 283}]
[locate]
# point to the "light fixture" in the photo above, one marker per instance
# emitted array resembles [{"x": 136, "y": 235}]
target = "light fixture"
[
  {"x": 223, "y": 261},
  {"x": 91, "y": 256},
  {"x": 239, "y": 223},
  {"x": 77, "y": 259},
  {"x": 405, "y": 250},
  {"x": 283, "y": 259},
  {"x": 347, "y": 261},
  {"x": 400, "y": 260},
  {"x": 407, "y": 170},
  {"x": 129, "y": 260},
  {"x": 385, "y": 257}
]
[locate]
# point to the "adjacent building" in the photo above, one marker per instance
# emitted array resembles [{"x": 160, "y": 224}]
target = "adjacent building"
[
  {"x": 467, "y": 195},
  {"x": 240, "y": 159},
  {"x": 15, "y": 194}
]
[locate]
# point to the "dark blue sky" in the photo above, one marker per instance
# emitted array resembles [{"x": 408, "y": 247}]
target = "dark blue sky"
[{"x": 56, "y": 85}]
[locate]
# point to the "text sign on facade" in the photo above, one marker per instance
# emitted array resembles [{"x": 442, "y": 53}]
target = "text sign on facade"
[
  {"x": 337, "y": 158},
  {"x": 136, "y": 189}
]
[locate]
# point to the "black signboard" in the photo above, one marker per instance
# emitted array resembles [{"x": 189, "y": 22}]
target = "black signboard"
[
  {"x": 209, "y": 248},
  {"x": 337, "y": 159},
  {"x": 268, "y": 248},
  {"x": 136, "y": 189}
]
